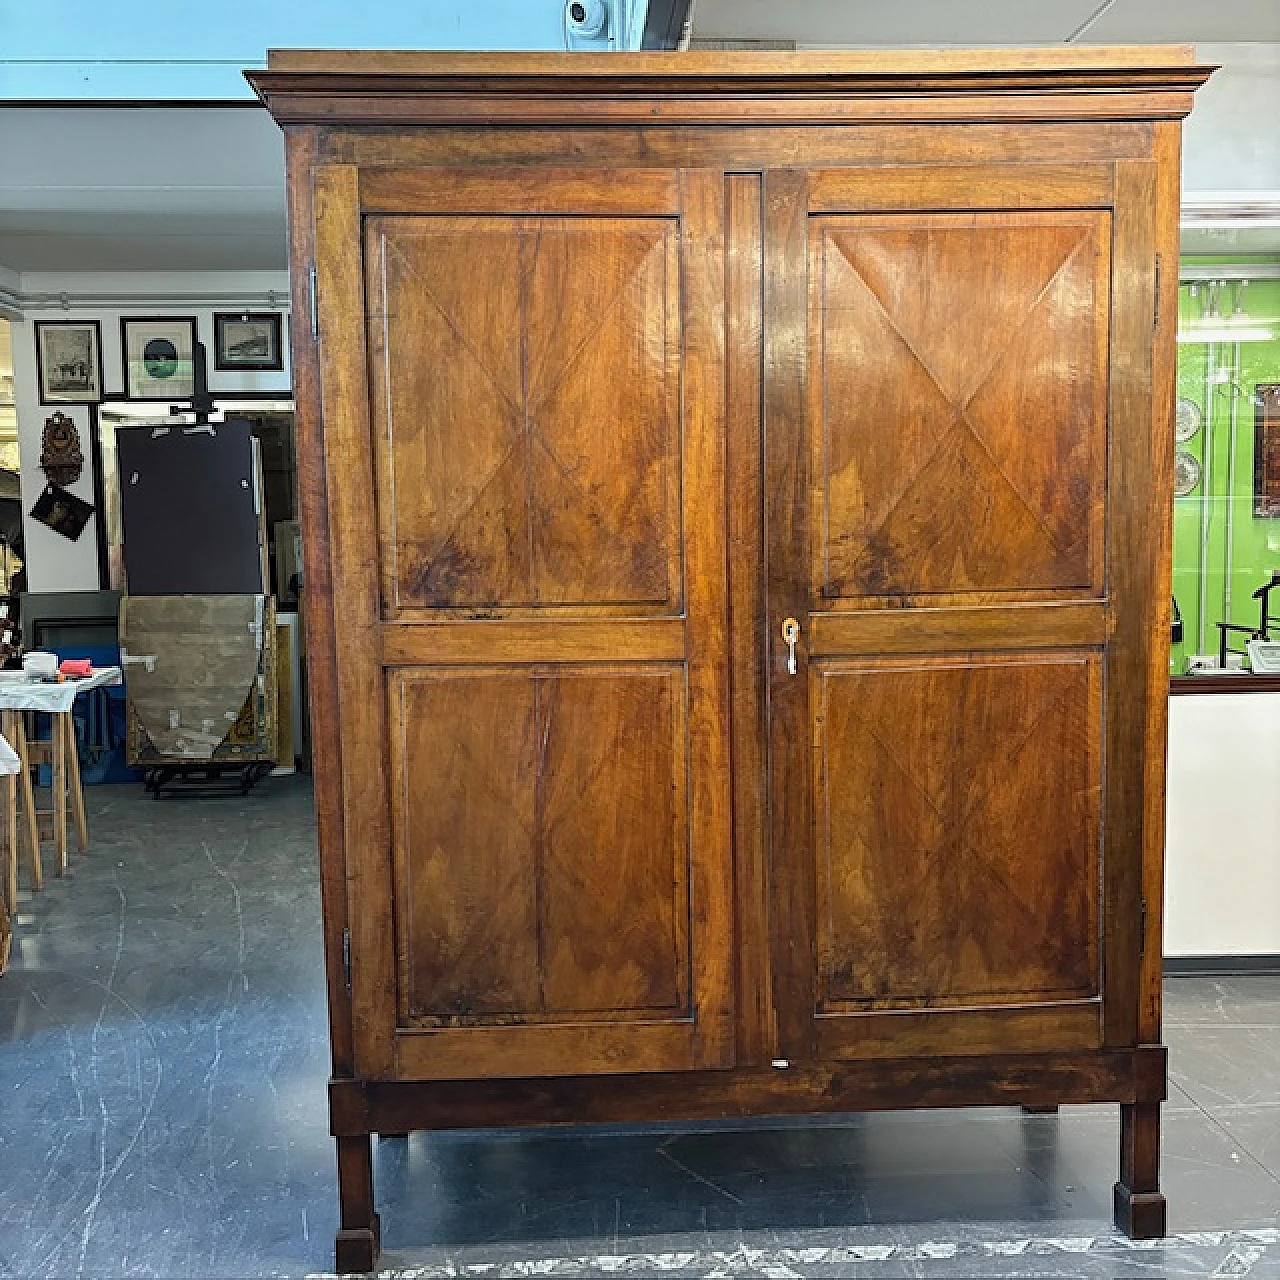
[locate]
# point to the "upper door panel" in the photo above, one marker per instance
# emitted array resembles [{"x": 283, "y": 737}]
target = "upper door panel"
[
  {"x": 960, "y": 404},
  {"x": 526, "y": 375}
]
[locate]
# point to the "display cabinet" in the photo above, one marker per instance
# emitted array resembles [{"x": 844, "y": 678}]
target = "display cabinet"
[{"x": 1226, "y": 548}]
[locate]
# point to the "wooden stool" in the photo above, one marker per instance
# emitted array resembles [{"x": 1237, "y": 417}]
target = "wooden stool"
[
  {"x": 14, "y": 729},
  {"x": 60, "y": 753}
]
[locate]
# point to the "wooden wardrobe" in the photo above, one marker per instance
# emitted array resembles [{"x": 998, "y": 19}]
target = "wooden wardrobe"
[{"x": 737, "y": 497}]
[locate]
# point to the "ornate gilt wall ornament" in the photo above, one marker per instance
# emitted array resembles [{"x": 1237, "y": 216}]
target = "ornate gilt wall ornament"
[{"x": 60, "y": 456}]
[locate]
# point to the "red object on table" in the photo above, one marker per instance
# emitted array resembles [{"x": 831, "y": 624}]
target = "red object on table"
[{"x": 76, "y": 667}]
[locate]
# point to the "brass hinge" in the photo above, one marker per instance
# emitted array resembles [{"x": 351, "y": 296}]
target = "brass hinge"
[
  {"x": 1155, "y": 319},
  {"x": 346, "y": 955},
  {"x": 315, "y": 308},
  {"x": 1142, "y": 938}
]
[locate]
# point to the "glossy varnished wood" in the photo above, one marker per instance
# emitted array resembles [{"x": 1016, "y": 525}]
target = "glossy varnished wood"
[
  {"x": 597, "y": 404},
  {"x": 927, "y": 479},
  {"x": 706, "y": 566},
  {"x": 1125, "y": 64},
  {"x": 318, "y": 621},
  {"x": 1136, "y": 575},
  {"x": 787, "y": 515},
  {"x": 956, "y": 843},
  {"x": 935, "y": 1080},
  {"x": 344, "y": 399},
  {"x": 560, "y": 832},
  {"x": 520, "y": 191},
  {"x": 933, "y": 628},
  {"x": 745, "y": 145},
  {"x": 526, "y": 410},
  {"x": 744, "y": 301},
  {"x": 889, "y": 188},
  {"x": 509, "y": 776},
  {"x": 927, "y": 85},
  {"x": 467, "y": 642}
]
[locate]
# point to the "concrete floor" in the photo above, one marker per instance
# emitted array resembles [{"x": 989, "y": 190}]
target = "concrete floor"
[{"x": 163, "y": 1059}]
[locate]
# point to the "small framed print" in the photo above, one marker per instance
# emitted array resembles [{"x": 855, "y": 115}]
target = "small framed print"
[
  {"x": 62, "y": 511},
  {"x": 69, "y": 361},
  {"x": 159, "y": 354},
  {"x": 251, "y": 340}
]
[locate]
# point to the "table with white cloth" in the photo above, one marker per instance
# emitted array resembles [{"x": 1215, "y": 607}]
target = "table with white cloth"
[{"x": 20, "y": 694}]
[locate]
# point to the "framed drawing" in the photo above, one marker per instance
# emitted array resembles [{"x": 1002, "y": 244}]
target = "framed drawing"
[
  {"x": 1266, "y": 449},
  {"x": 248, "y": 340},
  {"x": 158, "y": 352},
  {"x": 69, "y": 361}
]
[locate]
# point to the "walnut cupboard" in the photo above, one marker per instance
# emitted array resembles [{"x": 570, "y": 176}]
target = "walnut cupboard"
[{"x": 736, "y": 496}]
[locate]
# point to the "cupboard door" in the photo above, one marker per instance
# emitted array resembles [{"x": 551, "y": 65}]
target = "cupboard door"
[
  {"x": 523, "y": 415},
  {"x": 949, "y": 449}
]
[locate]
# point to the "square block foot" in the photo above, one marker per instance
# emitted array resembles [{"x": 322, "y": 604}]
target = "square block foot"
[
  {"x": 356, "y": 1252},
  {"x": 1141, "y": 1215}
]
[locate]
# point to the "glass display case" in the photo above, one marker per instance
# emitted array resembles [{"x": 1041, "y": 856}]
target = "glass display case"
[{"x": 1226, "y": 533}]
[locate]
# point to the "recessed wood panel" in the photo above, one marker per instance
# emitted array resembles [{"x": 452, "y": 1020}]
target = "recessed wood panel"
[
  {"x": 614, "y": 861},
  {"x": 525, "y": 388},
  {"x": 959, "y": 403},
  {"x": 467, "y": 750},
  {"x": 542, "y": 844},
  {"x": 958, "y": 832}
]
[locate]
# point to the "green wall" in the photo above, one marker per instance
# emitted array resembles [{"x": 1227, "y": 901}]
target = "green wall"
[{"x": 1255, "y": 547}]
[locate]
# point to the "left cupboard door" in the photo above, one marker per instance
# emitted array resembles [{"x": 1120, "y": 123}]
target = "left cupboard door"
[{"x": 523, "y": 424}]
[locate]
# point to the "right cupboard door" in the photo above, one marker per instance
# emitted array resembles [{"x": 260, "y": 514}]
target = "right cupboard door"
[{"x": 961, "y": 541}]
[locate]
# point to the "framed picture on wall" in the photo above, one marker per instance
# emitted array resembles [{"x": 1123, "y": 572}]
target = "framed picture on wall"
[
  {"x": 158, "y": 353},
  {"x": 1266, "y": 450},
  {"x": 252, "y": 340},
  {"x": 69, "y": 361}
]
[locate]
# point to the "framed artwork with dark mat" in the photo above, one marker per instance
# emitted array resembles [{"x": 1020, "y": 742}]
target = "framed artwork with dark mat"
[
  {"x": 250, "y": 340},
  {"x": 69, "y": 361},
  {"x": 158, "y": 354}
]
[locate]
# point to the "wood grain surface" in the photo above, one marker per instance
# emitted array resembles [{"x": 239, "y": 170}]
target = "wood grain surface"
[
  {"x": 622, "y": 363},
  {"x": 525, "y": 410},
  {"x": 959, "y": 402}
]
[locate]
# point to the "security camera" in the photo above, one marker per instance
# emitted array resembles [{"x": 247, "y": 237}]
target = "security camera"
[{"x": 586, "y": 17}]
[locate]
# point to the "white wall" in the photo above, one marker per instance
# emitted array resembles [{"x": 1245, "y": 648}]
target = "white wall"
[
  {"x": 55, "y": 563},
  {"x": 1230, "y": 141},
  {"x": 1222, "y": 876}
]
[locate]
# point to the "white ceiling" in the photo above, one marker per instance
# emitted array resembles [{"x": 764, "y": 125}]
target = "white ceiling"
[
  {"x": 202, "y": 188},
  {"x": 149, "y": 188},
  {"x": 977, "y": 22}
]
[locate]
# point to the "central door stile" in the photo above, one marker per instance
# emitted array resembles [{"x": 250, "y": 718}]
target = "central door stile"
[{"x": 786, "y": 518}]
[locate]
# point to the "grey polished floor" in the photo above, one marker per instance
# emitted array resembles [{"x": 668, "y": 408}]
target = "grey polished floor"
[{"x": 162, "y": 1113}]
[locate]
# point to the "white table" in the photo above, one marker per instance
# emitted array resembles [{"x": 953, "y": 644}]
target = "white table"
[{"x": 19, "y": 694}]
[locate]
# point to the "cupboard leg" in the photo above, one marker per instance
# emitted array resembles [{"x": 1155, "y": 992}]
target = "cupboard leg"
[
  {"x": 360, "y": 1235},
  {"x": 1139, "y": 1204}
]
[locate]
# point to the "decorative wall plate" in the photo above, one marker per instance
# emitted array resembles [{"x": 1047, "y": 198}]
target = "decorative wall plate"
[
  {"x": 1186, "y": 473},
  {"x": 1187, "y": 422}
]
